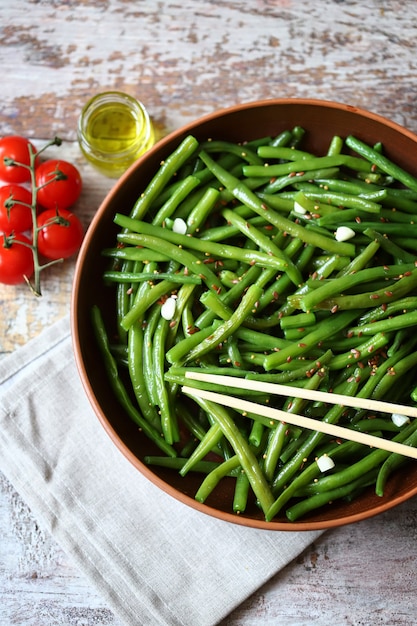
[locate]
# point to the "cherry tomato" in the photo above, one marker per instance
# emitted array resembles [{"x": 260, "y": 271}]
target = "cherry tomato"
[
  {"x": 16, "y": 259},
  {"x": 18, "y": 217},
  {"x": 16, "y": 148},
  {"x": 61, "y": 234},
  {"x": 60, "y": 184}
]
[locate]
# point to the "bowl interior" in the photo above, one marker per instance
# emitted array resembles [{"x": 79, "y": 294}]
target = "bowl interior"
[{"x": 321, "y": 120}]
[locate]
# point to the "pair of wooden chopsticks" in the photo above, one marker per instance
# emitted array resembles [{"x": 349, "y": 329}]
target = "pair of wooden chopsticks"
[{"x": 300, "y": 420}]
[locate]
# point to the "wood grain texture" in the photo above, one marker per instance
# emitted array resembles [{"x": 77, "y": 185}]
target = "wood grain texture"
[{"x": 185, "y": 59}]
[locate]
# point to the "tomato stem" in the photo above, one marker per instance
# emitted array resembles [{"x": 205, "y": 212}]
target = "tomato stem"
[
  {"x": 7, "y": 240},
  {"x": 35, "y": 286}
]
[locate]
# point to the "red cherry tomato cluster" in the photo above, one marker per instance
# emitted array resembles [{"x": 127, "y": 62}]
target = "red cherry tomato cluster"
[{"x": 58, "y": 232}]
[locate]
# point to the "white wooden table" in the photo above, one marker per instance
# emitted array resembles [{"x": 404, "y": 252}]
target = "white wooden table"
[{"x": 184, "y": 60}]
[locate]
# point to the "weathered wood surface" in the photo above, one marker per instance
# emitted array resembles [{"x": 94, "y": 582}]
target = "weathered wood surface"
[{"x": 185, "y": 59}]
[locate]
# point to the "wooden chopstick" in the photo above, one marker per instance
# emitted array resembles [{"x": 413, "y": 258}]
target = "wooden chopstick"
[
  {"x": 306, "y": 394},
  {"x": 298, "y": 420}
]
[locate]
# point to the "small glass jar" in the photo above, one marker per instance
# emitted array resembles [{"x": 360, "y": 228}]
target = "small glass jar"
[{"x": 114, "y": 129}]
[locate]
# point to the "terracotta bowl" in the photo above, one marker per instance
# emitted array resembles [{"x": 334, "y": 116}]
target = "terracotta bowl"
[{"x": 322, "y": 120}]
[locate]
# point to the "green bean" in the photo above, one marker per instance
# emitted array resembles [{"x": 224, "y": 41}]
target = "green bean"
[
  {"x": 377, "y": 178},
  {"x": 166, "y": 171},
  {"x": 314, "y": 502},
  {"x": 382, "y": 162},
  {"x": 229, "y": 326},
  {"x": 201, "y": 172},
  {"x": 177, "y": 354},
  {"x": 352, "y": 186},
  {"x": 334, "y": 219},
  {"x": 304, "y": 165},
  {"x": 198, "y": 215},
  {"x": 184, "y": 257},
  {"x": 395, "y": 200},
  {"x": 283, "y": 139},
  {"x": 323, "y": 330},
  {"x": 242, "y": 151},
  {"x": 168, "y": 418},
  {"x": 182, "y": 314},
  {"x": 365, "y": 300},
  {"x": 214, "y": 477},
  {"x": 136, "y": 371},
  {"x": 393, "y": 215},
  {"x": 153, "y": 315},
  {"x": 276, "y": 184},
  {"x": 371, "y": 388},
  {"x": 261, "y": 340},
  {"x": 407, "y": 242},
  {"x": 340, "y": 285},
  {"x": 135, "y": 254},
  {"x": 273, "y": 450},
  {"x": 393, "y": 462},
  {"x": 387, "y": 325},
  {"x": 152, "y": 295},
  {"x": 119, "y": 388},
  {"x": 361, "y": 351},
  {"x": 276, "y": 290},
  {"x": 242, "y": 450},
  {"x": 154, "y": 237},
  {"x": 386, "y": 228},
  {"x": 130, "y": 277},
  {"x": 264, "y": 243},
  {"x": 400, "y": 337},
  {"x": 227, "y": 231},
  {"x": 282, "y": 152},
  {"x": 214, "y": 303},
  {"x": 256, "y": 434},
  {"x": 296, "y": 321},
  {"x": 176, "y": 463},
  {"x": 210, "y": 441},
  {"x": 389, "y": 379},
  {"x": 389, "y": 246},
  {"x": 240, "y": 497},
  {"x": 297, "y": 134},
  {"x": 233, "y": 351},
  {"x": 363, "y": 203},
  {"x": 360, "y": 261},
  {"x": 276, "y": 201},
  {"x": 122, "y": 305},
  {"x": 335, "y": 146},
  {"x": 182, "y": 191},
  {"x": 306, "y": 208},
  {"x": 371, "y": 424},
  {"x": 381, "y": 312}
]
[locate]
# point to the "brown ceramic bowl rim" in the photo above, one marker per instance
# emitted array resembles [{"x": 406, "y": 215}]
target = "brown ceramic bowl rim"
[{"x": 123, "y": 448}]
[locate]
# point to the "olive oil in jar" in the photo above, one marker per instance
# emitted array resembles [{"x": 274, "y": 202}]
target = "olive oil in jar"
[{"x": 114, "y": 129}]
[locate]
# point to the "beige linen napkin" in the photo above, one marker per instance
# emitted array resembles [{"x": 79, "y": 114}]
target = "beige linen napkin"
[{"x": 155, "y": 560}]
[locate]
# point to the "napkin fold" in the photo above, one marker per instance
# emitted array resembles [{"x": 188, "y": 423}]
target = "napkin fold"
[{"x": 153, "y": 559}]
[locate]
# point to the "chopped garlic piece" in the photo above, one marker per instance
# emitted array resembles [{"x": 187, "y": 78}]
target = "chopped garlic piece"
[
  {"x": 299, "y": 209},
  {"x": 343, "y": 233},
  {"x": 325, "y": 463},
  {"x": 179, "y": 226},
  {"x": 168, "y": 309},
  {"x": 399, "y": 420}
]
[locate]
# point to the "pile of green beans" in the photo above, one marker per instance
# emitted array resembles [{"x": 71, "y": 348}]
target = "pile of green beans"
[{"x": 241, "y": 241}]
